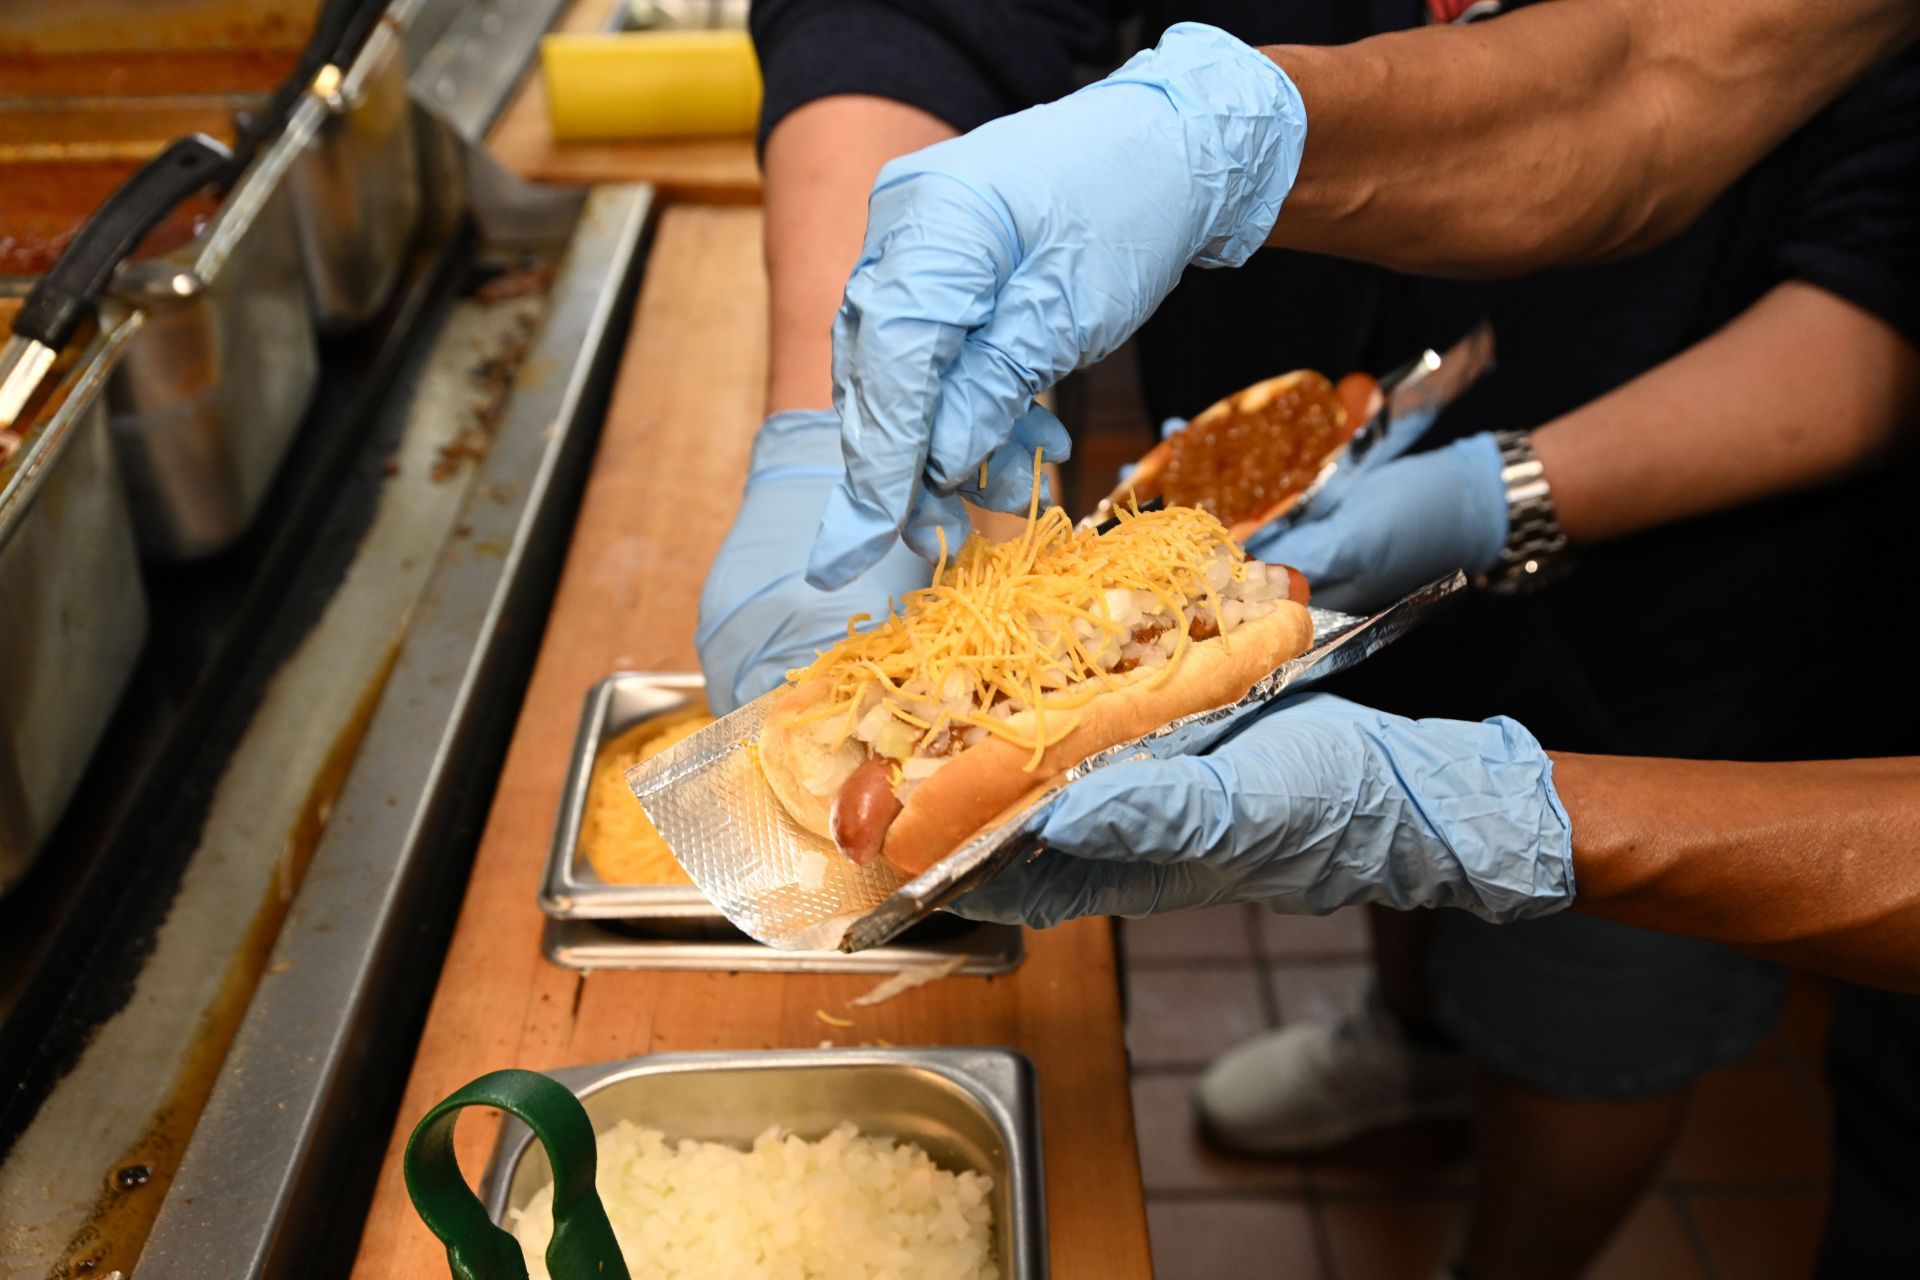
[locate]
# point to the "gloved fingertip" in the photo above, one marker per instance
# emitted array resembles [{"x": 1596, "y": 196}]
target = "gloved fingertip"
[
  {"x": 924, "y": 540},
  {"x": 1308, "y": 546},
  {"x": 1039, "y": 428},
  {"x": 934, "y": 515},
  {"x": 1172, "y": 426},
  {"x": 832, "y": 567}
]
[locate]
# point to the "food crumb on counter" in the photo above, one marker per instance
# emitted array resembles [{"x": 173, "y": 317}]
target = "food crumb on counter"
[
  {"x": 830, "y": 1020},
  {"x": 907, "y": 979}
]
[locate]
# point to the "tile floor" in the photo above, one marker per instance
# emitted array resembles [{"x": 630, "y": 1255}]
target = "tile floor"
[{"x": 1742, "y": 1197}]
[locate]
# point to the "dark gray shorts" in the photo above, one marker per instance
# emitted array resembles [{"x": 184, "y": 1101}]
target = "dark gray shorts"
[{"x": 1572, "y": 1005}]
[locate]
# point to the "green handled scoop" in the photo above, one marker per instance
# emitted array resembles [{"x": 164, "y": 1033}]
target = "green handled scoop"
[{"x": 583, "y": 1246}]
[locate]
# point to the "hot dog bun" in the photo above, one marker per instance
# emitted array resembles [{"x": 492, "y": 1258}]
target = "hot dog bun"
[{"x": 788, "y": 754}]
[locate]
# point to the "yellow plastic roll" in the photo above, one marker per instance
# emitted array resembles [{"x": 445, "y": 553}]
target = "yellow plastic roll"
[{"x": 651, "y": 84}]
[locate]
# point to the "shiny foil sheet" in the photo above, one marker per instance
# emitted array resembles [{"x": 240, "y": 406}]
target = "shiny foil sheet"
[{"x": 787, "y": 887}]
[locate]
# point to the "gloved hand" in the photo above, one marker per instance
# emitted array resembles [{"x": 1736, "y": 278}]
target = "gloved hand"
[
  {"x": 1314, "y": 805},
  {"x": 758, "y": 616},
  {"x": 998, "y": 262},
  {"x": 1397, "y": 525}
]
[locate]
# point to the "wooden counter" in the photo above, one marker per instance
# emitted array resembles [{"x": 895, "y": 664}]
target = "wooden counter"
[{"x": 683, "y": 411}]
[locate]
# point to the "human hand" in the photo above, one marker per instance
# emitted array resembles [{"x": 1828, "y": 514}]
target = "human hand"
[
  {"x": 998, "y": 262},
  {"x": 758, "y": 616},
  {"x": 1397, "y": 525},
  {"x": 1315, "y": 805}
]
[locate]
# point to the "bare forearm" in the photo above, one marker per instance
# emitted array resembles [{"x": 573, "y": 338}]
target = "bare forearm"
[
  {"x": 1797, "y": 391},
  {"x": 1569, "y": 132},
  {"x": 821, "y": 161},
  {"x": 1816, "y": 864}
]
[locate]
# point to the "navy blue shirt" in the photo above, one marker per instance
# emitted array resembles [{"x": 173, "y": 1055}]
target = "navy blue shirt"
[{"x": 1696, "y": 639}]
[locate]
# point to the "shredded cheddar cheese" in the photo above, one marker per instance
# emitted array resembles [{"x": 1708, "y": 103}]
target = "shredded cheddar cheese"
[{"x": 1022, "y": 623}]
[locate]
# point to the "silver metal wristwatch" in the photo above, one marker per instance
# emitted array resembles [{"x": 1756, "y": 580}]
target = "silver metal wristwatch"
[{"x": 1536, "y": 550}]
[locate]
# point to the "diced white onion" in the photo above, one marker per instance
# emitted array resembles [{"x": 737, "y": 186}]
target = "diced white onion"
[
  {"x": 873, "y": 723},
  {"x": 896, "y": 741},
  {"x": 844, "y": 1205}
]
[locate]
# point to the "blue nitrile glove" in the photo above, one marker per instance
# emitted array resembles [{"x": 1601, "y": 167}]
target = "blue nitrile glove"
[
  {"x": 998, "y": 262},
  {"x": 1396, "y": 526},
  {"x": 1315, "y": 805},
  {"x": 758, "y": 616}
]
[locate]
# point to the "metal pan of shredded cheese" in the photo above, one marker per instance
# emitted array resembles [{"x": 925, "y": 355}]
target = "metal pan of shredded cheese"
[
  {"x": 791, "y": 889},
  {"x": 606, "y": 862}
]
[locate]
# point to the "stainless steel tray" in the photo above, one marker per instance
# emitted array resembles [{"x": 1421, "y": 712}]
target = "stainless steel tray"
[
  {"x": 596, "y": 925},
  {"x": 73, "y": 613},
  {"x": 207, "y": 402},
  {"x": 572, "y": 890},
  {"x": 972, "y": 1108},
  {"x": 598, "y": 944}
]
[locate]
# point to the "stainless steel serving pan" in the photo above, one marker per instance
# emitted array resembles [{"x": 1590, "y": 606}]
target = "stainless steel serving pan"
[
  {"x": 972, "y": 1108},
  {"x": 976, "y": 950},
  {"x": 596, "y": 925},
  {"x": 312, "y": 237},
  {"x": 571, "y": 889},
  {"x": 357, "y": 190},
  {"x": 73, "y": 614},
  {"x": 205, "y": 403},
  {"x": 208, "y": 401}
]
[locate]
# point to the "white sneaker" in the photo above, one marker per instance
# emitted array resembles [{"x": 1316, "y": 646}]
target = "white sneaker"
[{"x": 1315, "y": 1085}]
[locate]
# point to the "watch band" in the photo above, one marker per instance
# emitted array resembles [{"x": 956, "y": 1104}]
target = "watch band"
[{"x": 1536, "y": 550}]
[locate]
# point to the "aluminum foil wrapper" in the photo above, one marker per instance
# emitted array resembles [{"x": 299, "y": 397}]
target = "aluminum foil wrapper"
[{"x": 785, "y": 886}]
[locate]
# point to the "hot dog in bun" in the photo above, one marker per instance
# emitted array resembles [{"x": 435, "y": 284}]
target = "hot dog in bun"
[{"x": 1022, "y": 659}]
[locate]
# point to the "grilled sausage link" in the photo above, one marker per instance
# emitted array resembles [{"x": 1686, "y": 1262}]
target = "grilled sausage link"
[
  {"x": 1359, "y": 396},
  {"x": 864, "y": 809}
]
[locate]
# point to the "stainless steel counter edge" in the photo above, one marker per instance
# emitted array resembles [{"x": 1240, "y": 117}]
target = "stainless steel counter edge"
[{"x": 263, "y": 1145}]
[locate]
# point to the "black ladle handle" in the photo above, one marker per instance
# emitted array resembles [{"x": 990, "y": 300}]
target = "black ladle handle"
[{"x": 70, "y": 291}]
